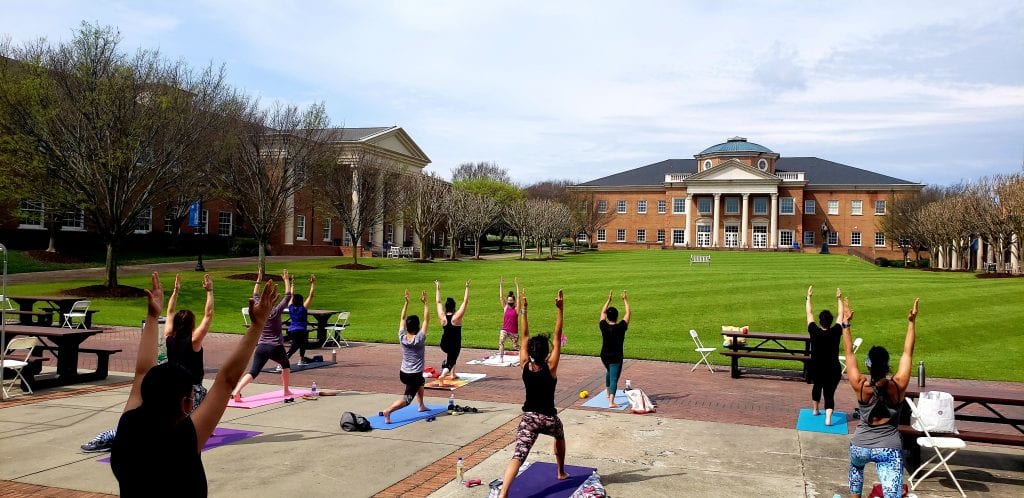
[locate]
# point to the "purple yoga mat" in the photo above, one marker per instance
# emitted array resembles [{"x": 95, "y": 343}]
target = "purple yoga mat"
[
  {"x": 540, "y": 480},
  {"x": 220, "y": 437}
]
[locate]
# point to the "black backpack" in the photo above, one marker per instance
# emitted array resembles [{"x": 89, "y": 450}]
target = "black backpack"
[{"x": 350, "y": 422}]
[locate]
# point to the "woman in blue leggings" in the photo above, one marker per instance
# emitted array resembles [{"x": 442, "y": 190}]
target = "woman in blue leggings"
[
  {"x": 613, "y": 334},
  {"x": 877, "y": 438}
]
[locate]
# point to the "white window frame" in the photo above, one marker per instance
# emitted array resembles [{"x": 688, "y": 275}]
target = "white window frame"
[
  {"x": 883, "y": 204},
  {"x": 732, "y": 211},
  {"x": 300, "y": 227},
  {"x": 678, "y": 202},
  {"x": 641, "y": 235},
  {"x": 710, "y": 203},
  {"x": 856, "y": 207},
  {"x": 783, "y": 201},
  {"x": 391, "y": 234},
  {"x": 785, "y": 233},
  {"x": 833, "y": 238},
  {"x": 602, "y": 235},
  {"x": 678, "y": 236},
  {"x": 230, "y": 224},
  {"x": 809, "y": 206},
  {"x": 620, "y": 235},
  {"x": 703, "y": 235},
  {"x": 204, "y": 222},
  {"x": 78, "y": 219},
  {"x": 879, "y": 239},
  {"x": 809, "y": 238},
  {"x": 602, "y": 206},
  {"x": 707, "y": 164},
  {"x": 755, "y": 202},
  {"x": 30, "y": 206},
  {"x": 855, "y": 239},
  {"x": 327, "y": 231},
  {"x": 147, "y": 217},
  {"x": 833, "y": 207},
  {"x": 641, "y": 207},
  {"x": 662, "y": 206},
  {"x": 759, "y": 236},
  {"x": 346, "y": 239},
  {"x": 762, "y": 164},
  {"x": 661, "y": 236},
  {"x": 620, "y": 206},
  {"x": 731, "y": 234}
]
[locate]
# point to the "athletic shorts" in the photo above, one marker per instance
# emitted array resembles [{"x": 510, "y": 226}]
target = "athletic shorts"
[
  {"x": 413, "y": 382},
  {"x": 532, "y": 425},
  {"x": 266, "y": 352}
]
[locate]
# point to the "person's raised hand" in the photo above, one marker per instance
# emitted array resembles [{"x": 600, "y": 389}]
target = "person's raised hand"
[
  {"x": 155, "y": 297},
  {"x": 610, "y": 294},
  {"x": 259, "y": 275},
  {"x": 423, "y": 297},
  {"x": 312, "y": 278},
  {"x": 810, "y": 290},
  {"x": 407, "y": 296},
  {"x": 268, "y": 298},
  {"x": 177, "y": 282},
  {"x": 624, "y": 296},
  {"x": 913, "y": 311},
  {"x": 501, "y": 280},
  {"x": 522, "y": 298},
  {"x": 559, "y": 299},
  {"x": 839, "y": 293},
  {"x": 207, "y": 283},
  {"x": 284, "y": 275},
  {"x": 437, "y": 284},
  {"x": 467, "y": 284},
  {"x": 847, "y": 310}
]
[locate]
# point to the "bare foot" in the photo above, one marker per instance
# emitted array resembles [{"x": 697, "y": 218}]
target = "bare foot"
[
  {"x": 562, "y": 476},
  {"x": 238, "y": 398},
  {"x": 287, "y": 393},
  {"x": 387, "y": 420},
  {"x": 828, "y": 421},
  {"x": 815, "y": 413},
  {"x": 424, "y": 408}
]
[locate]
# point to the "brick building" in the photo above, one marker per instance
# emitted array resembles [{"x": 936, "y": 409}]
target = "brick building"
[{"x": 741, "y": 195}]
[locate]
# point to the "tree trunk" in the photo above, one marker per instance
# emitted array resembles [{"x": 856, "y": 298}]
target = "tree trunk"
[
  {"x": 111, "y": 266},
  {"x": 355, "y": 251},
  {"x": 451, "y": 256},
  {"x": 423, "y": 249},
  {"x": 52, "y": 247},
  {"x": 476, "y": 248},
  {"x": 262, "y": 255}
]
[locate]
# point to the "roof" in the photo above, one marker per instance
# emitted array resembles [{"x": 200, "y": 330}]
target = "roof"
[
  {"x": 353, "y": 134},
  {"x": 816, "y": 171},
  {"x": 736, "y": 144}
]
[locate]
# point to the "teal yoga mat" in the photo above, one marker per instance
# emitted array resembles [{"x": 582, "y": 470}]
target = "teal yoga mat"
[
  {"x": 405, "y": 416},
  {"x": 816, "y": 423},
  {"x": 600, "y": 400}
]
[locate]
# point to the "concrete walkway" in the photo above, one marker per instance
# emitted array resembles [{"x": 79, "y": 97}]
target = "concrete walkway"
[{"x": 712, "y": 436}]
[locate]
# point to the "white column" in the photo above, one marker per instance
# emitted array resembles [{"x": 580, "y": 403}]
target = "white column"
[
  {"x": 686, "y": 231},
  {"x": 1014, "y": 254},
  {"x": 954, "y": 259},
  {"x": 745, "y": 223},
  {"x": 289, "y": 222},
  {"x": 717, "y": 216},
  {"x": 937, "y": 255},
  {"x": 979, "y": 257},
  {"x": 773, "y": 235}
]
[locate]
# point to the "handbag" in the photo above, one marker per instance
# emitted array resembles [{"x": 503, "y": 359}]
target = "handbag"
[{"x": 934, "y": 413}]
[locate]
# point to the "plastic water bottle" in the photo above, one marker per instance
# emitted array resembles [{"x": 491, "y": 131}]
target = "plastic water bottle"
[
  {"x": 459, "y": 471},
  {"x": 629, "y": 385},
  {"x": 451, "y": 405},
  {"x": 920, "y": 374},
  {"x": 334, "y": 355},
  {"x": 313, "y": 391}
]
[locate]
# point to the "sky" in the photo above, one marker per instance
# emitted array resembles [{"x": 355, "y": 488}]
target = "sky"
[{"x": 929, "y": 91}]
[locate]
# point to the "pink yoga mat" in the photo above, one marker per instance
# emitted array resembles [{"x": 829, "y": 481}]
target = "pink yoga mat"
[{"x": 258, "y": 400}]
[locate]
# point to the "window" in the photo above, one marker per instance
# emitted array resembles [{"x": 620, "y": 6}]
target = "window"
[
  {"x": 144, "y": 223},
  {"x": 732, "y": 236},
  {"x": 73, "y": 220},
  {"x": 704, "y": 204},
  {"x": 31, "y": 214},
  {"x": 678, "y": 205},
  {"x": 602, "y": 206},
  {"x": 787, "y": 205},
  {"x": 732, "y": 205},
  {"x": 661, "y": 235},
  {"x": 760, "y": 233},
  {"x": 760, "y": 205},
  {"x": 224, "y": 219},
  {"x": 641, "y": 235},
  {"x": 300, "y": 227},
  {"x": 880, "y": 208},
  {"x": 762, "y": 164},
  {"x": 678, "y": 236},
  {"x": 620, "y": 235},
  {"x": 391, "y": 233},
  {"x": 327, "y": 230},
  {"x": 346, "y": 239},
  {"x": 785, "y": 238},
  {"x": 204, "y": 220},
  {"x": 600, "y": 235},
  {"x": 641, "y": 207},
  {"x": 879, "y": 238},
  {"x": 856, "y": 208},
  {"x": 833, "y": 238},
  {"x": 809, "y": 206},
  {"x": 581, "y": 237},
  {"x": 707, "y": 164},
  {"x": 621, "y": 208},
  {"x": 661, "y": 207},
  {"x": 855, "y": 238},
  {"x": 169, "y": 221},
  {"x": 808, "y": 238},
  {"x": 833, "y": 207}
]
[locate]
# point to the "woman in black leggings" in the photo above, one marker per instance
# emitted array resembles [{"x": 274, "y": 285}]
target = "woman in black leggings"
[
  {"x": 825, "y": 368},
  {"x": 451, "y": 326}
]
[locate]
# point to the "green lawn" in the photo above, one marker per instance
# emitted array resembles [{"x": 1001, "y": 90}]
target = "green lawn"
[
  {"x": 20, "y": 262},
  {"x": 968, "y": 327}
]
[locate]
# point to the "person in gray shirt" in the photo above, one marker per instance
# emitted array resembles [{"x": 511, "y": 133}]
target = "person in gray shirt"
[{"x": 413, "y": 338}]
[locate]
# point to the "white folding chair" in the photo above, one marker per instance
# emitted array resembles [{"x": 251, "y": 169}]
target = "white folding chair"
[
  {"x": 245, "y": 316},
  {"x": 334, "y": 331},
  {"x": 951, "y": 444},
  {"x": 79, "y": 310},
  {"x": 856, "y": 346},
  {"x": 7, "y": 305},
  {"x": 704, "y": 352},
  {"x": 25, "y": 344}
]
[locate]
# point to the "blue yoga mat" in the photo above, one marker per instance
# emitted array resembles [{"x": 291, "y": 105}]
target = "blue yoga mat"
[
  {"x": 816, "y": 423},
  {"x": 600, "y": 400},
  {"x": 540, "y": 480},
  {"x": 405, "y": 416}
]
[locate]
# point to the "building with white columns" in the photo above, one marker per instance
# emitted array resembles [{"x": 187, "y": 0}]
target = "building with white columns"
[{"x": 742, "y": 195}]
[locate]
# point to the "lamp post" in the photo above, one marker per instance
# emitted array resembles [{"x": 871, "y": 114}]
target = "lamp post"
[
  {"x": 195, "y": 221},
  {"x": 824, "y": 238}
]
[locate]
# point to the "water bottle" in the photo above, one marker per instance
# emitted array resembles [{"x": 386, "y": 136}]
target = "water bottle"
[
  {"x": 451, "y": 404},
  {"x": 920, "y": 374},
  {"x": 334, "y": 355},
  {"x": 459, "y": 476},
  {"x": 629, "y": 385},
  {"x": 313, "y": 390}
]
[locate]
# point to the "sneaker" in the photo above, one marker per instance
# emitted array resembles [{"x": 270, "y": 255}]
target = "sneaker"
[
  {"x": 277, "y": 368},
  {"x": 101, "y": 443}
]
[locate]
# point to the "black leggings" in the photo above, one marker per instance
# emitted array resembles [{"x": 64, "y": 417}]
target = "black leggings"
[
  {"x": 453, "y": 356},
  {"x": 826, "y": 382},
  {"x": 300, "y": 340},
  {"x": 265, "y": 352}
]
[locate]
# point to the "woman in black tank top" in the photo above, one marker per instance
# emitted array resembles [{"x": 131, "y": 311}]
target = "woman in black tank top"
[
  {"x": 540, "y": 376},
  {"x": 451, "y": 326}
]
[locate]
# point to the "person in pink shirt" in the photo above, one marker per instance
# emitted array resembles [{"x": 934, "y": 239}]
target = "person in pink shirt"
[{"x": 509, "y": 323}]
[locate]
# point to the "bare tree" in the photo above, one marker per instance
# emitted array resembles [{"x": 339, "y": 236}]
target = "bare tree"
[
  {"x": 456, "y": 218},
  {"x": 520, "y": 220},
  {"x": 1010, "y": 189},
  {"x": 277, "y": 150},
  {"x": 555, "y": 190},
  {"x": 424, "y": 206},
  {"x": 476, "y": 171},
  {"x": 583, "y": 206},
  {"x": 481, "y": 213},
  {"x": 110, "y": 127}
]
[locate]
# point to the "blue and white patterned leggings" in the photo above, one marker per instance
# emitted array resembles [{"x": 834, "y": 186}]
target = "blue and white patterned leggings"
[{"x": 888, "y": 464}]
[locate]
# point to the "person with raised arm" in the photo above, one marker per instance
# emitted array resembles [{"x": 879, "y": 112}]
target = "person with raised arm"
[
  {"x": 880, "y": 399},
  {"x": 159, "y": 428},
  {"x": 509, "y": 324},
  {"x": 413, "y": 338},
  {"x": 613, "y": 335},
  {"x": 825, "y": 370},
  {"x": 271, "y": 343},
  {"x": 451, "y": 326},
  {"x": 298, "y": 320},
  {"x": 539, "y": 362}
]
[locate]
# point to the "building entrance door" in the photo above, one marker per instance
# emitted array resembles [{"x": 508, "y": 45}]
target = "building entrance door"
[
  {"x": 703, "y": 235},
  {"x": 732, "y": 236},
  {"x": 760, "y": 236}
]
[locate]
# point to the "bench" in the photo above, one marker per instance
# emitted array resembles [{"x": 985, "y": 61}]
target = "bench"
[
  {"x": 87, "y": 322},
  {"x": 700, "y": 259},
  {"x": 102, "y": 359},
  {"x": 42, "y": 318},
  {"x": 736, "y": 355}
]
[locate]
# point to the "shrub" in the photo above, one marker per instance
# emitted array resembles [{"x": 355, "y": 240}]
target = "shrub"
[
  {"x": 883, "y": 262},
  {"x": 244, "y": 246}
]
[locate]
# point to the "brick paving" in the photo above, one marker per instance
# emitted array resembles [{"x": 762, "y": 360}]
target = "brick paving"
[{"x": 19, "y": 489}]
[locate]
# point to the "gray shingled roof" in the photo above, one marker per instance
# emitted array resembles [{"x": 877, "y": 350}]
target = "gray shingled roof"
[
  {"x": 817, "y": 171},
  {"x": 351, "y": 134}
]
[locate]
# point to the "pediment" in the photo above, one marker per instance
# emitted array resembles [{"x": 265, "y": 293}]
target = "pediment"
[
  {"x": 732, "y": 171},
  {"x": 396, "y": 140}
]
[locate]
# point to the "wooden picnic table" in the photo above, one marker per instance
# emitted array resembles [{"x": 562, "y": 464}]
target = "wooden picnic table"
[
  {"x": 62, "y": 304},
  {"x": 772, "y": 346},
  {"x": 65, "y": 344},
  {"x": 322, "y": 319}
]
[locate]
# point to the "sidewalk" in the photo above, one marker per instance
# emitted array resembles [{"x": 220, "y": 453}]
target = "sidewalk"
[{"x": 99, "y": 273}]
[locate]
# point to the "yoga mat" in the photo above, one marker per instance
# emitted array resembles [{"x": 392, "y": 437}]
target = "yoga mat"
[
  {"x": 540, "y": 480},
  {"x": 258, "y": 400},
  {"x": 295, "y": 367},
  {"x": 816, "y": 423},
  {"x": 405, "y": 416},
  {"x": 601, "y": 400},
  {"x": 221, "y": 436},
  {"x": 509, "y": 360},
  {"x": 451, "y": 385}
]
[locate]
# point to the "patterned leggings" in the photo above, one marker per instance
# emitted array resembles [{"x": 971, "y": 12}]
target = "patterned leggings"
[
  {"x": 888, "y": 464},
  {"x": 532, "y": 425}
]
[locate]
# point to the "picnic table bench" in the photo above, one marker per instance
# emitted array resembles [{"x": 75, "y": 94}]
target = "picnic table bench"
[
  {"x": 66, "y": 345},
  {"x": 700, "y": 259},
  {"x": 771, "y": 347},
  {"x": 42, "y": 318}
]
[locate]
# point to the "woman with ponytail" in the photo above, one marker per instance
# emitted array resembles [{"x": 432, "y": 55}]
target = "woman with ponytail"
[
  {"x": 451, "y": 330},
  {"x": 185, "y": 341},
  {"x": 880, "y": 397},
  {"x": 539, "y": 361}
]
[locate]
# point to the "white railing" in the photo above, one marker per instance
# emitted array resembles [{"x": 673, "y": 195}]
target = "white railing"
[
  {"x": 792, "y": 176},
  {"x": 677, "y": 177}
]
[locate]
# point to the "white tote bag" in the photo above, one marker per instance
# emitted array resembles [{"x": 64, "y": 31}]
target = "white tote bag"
[
  {"x": 934, "y": 413},
  {"x": 639, "y": 402}
]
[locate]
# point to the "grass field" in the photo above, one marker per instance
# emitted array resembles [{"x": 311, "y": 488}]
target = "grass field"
[
  {"x": 968, "y": 327},
  {"x": 20, "y": 262}
]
